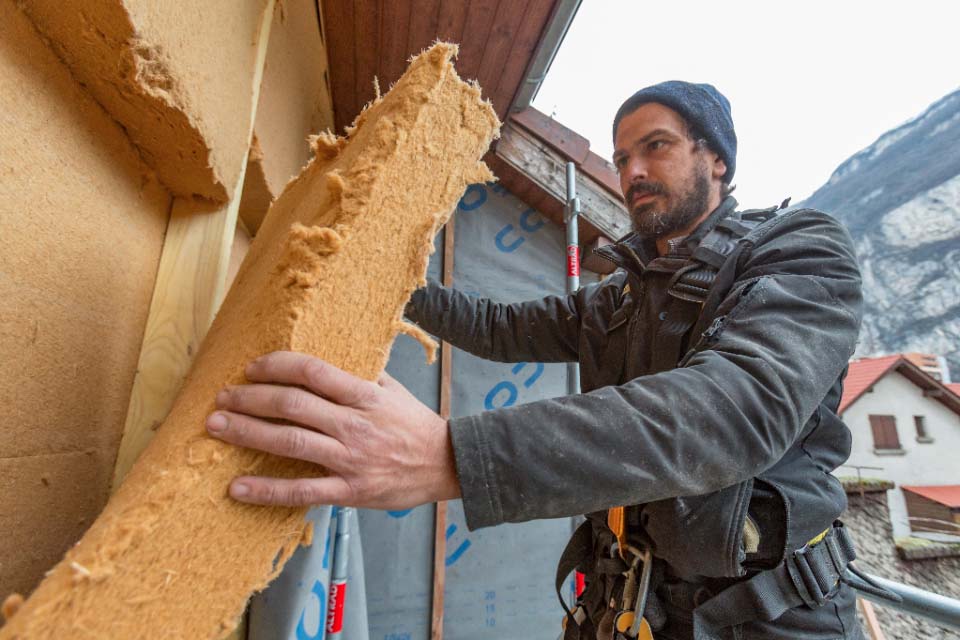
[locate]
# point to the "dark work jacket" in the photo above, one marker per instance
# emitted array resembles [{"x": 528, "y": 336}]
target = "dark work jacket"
[{"x": 745, "y": 424}]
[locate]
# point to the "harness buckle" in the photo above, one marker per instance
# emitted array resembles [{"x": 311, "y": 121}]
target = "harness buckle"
[{"x": 817, "y": 569}]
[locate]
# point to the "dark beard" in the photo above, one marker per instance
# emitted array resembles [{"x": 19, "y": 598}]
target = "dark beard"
[{"x": 649, "y": 223}]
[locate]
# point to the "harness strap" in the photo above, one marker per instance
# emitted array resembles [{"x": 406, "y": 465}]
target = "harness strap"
[
  {"x": 809, "y": 576},
  {"x": 579, "y": 548},
  {"x": 581, "y": 553},
  {"x": 691, "y": 283}
]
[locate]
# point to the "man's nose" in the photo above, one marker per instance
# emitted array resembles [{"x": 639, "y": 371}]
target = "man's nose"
[{"x": 634, "y": 170}]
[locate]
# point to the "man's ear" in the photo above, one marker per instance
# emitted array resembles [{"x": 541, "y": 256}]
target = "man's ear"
[{"x": 719, "y": 168}]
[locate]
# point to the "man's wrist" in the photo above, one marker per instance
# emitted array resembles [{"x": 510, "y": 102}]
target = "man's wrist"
[{"x": 448, "y": 484}]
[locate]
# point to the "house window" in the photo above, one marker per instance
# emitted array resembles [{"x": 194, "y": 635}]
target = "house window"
[
  {"x": 885, "y": 436},
  {"x": 921, "y": 424}
]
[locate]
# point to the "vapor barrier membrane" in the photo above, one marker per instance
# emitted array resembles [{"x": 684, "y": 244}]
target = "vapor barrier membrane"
[{"x": 499, "y": 580}]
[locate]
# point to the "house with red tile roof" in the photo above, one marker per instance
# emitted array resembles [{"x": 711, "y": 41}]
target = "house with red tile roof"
[{"x": 905, "y": 424}]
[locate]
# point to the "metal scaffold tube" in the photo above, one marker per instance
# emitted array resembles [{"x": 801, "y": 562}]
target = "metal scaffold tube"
[
  {"x": 925, "y": 604},
  {"x": 571, "y": 218}
]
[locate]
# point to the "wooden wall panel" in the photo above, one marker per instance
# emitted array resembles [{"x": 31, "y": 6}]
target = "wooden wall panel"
[
  {"x": 366, "y": 33},
  {"x": 424, "y": 18},
  {"x": 368, "y": 38},
  {"x": 524, "y": 44},
  {"x": 338, "y": 29},
  {"x": 476, "y": 29},
  {"x": 496, "y": 52},
  {"x": 393, "y": 41},
  {"x": 451, "y": 21}
]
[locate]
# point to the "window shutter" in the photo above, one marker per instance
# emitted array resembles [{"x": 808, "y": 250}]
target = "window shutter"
[
  {"x": 921, "y": 426},
  {"x": 884, "y": 432}
]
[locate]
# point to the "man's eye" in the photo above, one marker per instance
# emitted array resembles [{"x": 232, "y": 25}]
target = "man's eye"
[
  {"x": 655, "y": 145},
  {"x": 620, "y": 162}
]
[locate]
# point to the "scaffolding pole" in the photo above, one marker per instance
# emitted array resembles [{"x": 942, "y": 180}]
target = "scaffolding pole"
[
  {"x": 918, "y": 602},
  {"x": 571, "y": 216}
]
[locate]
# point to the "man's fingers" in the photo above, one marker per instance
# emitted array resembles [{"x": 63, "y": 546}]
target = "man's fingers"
[
  {"x": 291, "y": 493},
  {"x": 285, "y": 403},
  {"x": 387, "y": 381},
  {"x": 282, "y": 440},
  {"x": 288, "y": 367}
]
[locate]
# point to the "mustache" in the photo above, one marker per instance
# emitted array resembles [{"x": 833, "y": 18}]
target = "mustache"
[{"x": 643, "y": 187}]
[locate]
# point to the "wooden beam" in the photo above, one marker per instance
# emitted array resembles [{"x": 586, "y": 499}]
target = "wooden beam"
[
  {"x": 873, "y": 625},
  {"x": 440, "y": 517},
  {"x": 566, "y": 141},
  {"x": 191, "y": 283},
  {"x": 545, "y": 167},
  {"x": 571, "y": 145}
]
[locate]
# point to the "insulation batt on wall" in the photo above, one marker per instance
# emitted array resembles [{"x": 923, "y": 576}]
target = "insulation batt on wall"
[
  {"x": 148, "y": 63},
  {"x": 328, "y": 273},
  {"x": 82, "y": 223}
]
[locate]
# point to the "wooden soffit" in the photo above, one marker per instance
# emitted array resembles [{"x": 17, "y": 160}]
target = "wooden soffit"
[{"x": 375, "y": 38}]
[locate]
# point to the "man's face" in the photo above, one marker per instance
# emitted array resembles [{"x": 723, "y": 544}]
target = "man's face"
[{"x": 668, "y": 180}]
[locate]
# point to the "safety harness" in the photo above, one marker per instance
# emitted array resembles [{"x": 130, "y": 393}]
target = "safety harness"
[{"x": 610, "y": 547}]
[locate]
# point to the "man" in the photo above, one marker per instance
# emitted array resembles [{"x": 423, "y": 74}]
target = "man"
[{"x": 711, "y": 363}]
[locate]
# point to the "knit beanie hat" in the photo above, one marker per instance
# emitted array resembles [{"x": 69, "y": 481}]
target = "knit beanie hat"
[{"x": 705, "y": 108}]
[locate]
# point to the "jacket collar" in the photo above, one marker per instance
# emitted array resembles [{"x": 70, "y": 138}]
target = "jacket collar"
[{"x": 634, "y": 252}]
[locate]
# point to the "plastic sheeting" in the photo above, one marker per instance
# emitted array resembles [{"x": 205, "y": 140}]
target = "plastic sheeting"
[
  {"x": 499, "y": 580},
  {"x": 295, "y": 606}
]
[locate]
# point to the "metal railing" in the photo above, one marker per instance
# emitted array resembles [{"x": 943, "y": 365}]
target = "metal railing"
[
  {"x": 917, "y": 602},
  {"x": 939, "y": 609}
]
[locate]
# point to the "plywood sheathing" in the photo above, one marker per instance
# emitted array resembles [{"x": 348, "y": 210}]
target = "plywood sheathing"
[
  {"x": 171, "y": 73},
  {"x": 329, "y": 273},
  {"x": 82, "y": 222}
]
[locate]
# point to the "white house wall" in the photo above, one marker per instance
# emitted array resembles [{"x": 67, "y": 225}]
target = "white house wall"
[{"x": 920, "y": 463}]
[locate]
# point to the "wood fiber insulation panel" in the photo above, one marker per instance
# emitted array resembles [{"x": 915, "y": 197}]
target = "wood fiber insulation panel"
[
  {"x": 329, "y": 273},
  {"x": 82, "y": 223},
  {"x": 190, "y": 286},
  {"x": 257, "y": 197},
  {"x": 295, "y": 97},
  {"x": 294, "y": 103},
  {"x": 172, "y": 73}
]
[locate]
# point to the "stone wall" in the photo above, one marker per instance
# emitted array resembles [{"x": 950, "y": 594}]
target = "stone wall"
[{"x": 869, "y": 520}]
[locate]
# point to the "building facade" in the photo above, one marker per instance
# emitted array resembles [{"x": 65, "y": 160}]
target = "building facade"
[{"x": 906, "y": 428}]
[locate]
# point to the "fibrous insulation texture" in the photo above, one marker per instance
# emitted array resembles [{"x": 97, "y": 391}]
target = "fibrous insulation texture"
[
  {"x": 329, "y": 273},
  {"x": 176, "y": 76},
  {"x": 82, "y": 225}
]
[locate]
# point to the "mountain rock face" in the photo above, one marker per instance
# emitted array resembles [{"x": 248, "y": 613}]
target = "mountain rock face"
[{"x": 900, "y": 198}]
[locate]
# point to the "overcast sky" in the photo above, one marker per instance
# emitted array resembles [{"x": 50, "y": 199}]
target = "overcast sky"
[{"x": 810, "y": 82}]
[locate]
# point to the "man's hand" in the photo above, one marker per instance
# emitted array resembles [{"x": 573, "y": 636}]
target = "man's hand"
[{"x": 383, "y": 448}]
